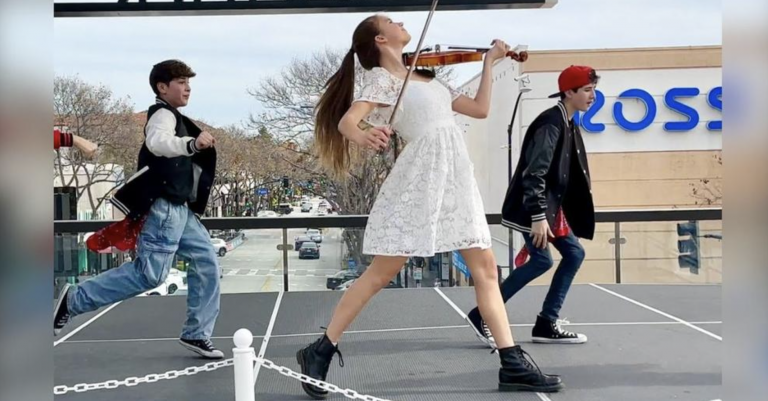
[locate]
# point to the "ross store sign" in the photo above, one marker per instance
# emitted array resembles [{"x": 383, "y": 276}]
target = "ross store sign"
[{"x": 673, "y": 100}]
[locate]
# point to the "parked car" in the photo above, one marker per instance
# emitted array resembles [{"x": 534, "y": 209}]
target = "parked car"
[
  {"x": 314, "y": 235},
  {"x": 220, "y": 246},
  {"x": 309, "y": 250},
  {"x": 175, "y": 282},
  {"x": 267, "y": 213},
  {"x": 334, "y": 206},
  {"x": 306, "y": 207},
  {"x": 284, "y": 208},
  {"x": 340, "y": 277},
  {"x": 300, "y": 240},
  {"x": 216, "y": 233}
]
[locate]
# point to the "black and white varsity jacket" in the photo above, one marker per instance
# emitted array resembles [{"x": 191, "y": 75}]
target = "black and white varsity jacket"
[
  {"x": 552, "y": 173},
  {"x": 169, "y": 165}
]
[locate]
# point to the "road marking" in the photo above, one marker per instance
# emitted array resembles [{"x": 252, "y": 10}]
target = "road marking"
[
  {"x": 519, "y": 325},
  {"x": 543, "y": 397},
  {"x": 265, "y": 341},
  {"x": 265, "y": 287},
  {"x": 456, "y": 308},
  {"x": 84, "y": 325},
  {"x": 652, "y": 309}
]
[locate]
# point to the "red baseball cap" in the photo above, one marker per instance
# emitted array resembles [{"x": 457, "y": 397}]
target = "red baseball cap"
[{"x": 574, "y": 77}]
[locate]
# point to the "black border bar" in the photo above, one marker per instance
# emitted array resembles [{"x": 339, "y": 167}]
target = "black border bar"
[{"x": 199, "y": 8}]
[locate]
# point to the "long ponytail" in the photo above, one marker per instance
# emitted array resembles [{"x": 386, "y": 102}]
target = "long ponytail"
[{"x": 332, "y": 146}]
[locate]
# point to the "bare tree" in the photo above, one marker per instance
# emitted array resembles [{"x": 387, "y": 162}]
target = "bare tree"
[
  {"x": 288, "y": 101},
  {"x": 247, "y": 162},
  {"x": 289, "y": 98},
  {"x": 92, "y": 112}
]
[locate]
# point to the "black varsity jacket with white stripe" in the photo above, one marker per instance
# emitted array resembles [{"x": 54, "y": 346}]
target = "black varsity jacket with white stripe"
[
  {"x": 552, "y": 173},
  {"x": 170, "y": 166}
]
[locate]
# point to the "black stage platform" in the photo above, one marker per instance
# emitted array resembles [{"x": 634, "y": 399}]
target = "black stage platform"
[{"x": 646, "y": 342}]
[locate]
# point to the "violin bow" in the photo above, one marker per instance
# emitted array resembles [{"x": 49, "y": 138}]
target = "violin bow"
[{"x": 412, "y": 67}]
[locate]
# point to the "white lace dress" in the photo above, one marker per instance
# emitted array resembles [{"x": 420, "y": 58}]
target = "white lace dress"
[{"x": 430, "y": 202}]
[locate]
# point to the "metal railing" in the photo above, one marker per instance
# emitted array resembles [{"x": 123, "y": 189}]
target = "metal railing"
[{"x": 359, "y": 221}]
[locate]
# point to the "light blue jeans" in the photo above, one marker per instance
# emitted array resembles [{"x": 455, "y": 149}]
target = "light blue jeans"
[{"x": 169, "y": 229}]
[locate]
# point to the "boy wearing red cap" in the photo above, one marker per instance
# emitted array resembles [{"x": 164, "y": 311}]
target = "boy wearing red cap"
[{"x": 551, "y": 184}]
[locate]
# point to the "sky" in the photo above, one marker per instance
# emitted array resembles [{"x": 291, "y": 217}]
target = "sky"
[{"x": 233, "y": 53}]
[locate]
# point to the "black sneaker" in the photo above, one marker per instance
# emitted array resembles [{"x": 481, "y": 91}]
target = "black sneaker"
[
  {"x": 481, "y": 330},
  {"x": 315, "y": 361},
  {"x": 520, "y": 373},
  {"x": 61, "y": 310},
  {"x": 204, "y": 348},
  {"x": 548, "y": 332}
]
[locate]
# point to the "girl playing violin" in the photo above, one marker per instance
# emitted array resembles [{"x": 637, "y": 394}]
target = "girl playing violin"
[{"x": 430, "y": 202}]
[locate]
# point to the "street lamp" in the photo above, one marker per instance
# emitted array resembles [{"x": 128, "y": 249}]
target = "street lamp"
[{"x": 522, "y": 81}]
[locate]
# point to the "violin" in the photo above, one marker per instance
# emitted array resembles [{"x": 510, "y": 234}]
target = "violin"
[{"x": 458, "y": 55}]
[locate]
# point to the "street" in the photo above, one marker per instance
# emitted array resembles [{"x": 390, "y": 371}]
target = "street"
[{"x": 257, "y": 264}]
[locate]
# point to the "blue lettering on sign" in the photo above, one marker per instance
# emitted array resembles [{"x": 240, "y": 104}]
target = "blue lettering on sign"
[
  {"x": 650, "y": 110},
  {"x": 715, "y": 100},
  {"x": 692, "y": 117},
  {"x": 687, "y": 111}
]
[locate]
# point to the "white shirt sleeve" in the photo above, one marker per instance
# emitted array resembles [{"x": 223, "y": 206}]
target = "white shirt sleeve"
[{"x": 161, "y": 136}]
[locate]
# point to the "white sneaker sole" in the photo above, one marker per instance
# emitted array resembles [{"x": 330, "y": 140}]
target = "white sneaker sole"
[
  {"x": 542, "y": 340},
  {"x": 480, "y": 336},
  {"x": 209, "y": 355},
  {"x": 62, "y": 295}
]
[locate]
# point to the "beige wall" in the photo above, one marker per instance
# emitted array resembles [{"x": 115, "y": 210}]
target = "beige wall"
[
  {"x": 626, "y": 59},
  {"x": 657, "y": 180}
]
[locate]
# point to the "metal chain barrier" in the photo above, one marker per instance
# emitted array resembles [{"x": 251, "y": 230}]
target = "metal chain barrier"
[
  {"x": 349, "y": 393},
  {"x": 151, "y": 378},
  {"x": 210, "y": 367}
]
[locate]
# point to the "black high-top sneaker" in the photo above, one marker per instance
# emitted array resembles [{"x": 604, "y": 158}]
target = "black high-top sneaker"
[
  {"x": 315, "y": 361},
  {"x": 547, "y": 332},
  {"x": 481, "y": 330},
  {"x": 520, "y": 373},
  {"x": 61, "y": 310}
]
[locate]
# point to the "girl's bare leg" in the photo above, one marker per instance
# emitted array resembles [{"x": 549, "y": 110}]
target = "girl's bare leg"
[{"x": 378, "y": 275}]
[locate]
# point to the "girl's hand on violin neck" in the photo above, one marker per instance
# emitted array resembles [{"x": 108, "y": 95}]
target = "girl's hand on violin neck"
[
  {"x": 376, "y": 138},
  {"x": 499, "y": 50}
]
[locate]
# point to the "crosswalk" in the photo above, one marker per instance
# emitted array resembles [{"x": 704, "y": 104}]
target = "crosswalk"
[{"x": 279, "y": 272}]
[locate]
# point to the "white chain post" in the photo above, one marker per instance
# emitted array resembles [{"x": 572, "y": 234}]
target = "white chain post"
[{"x": 245, "y": 388}]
